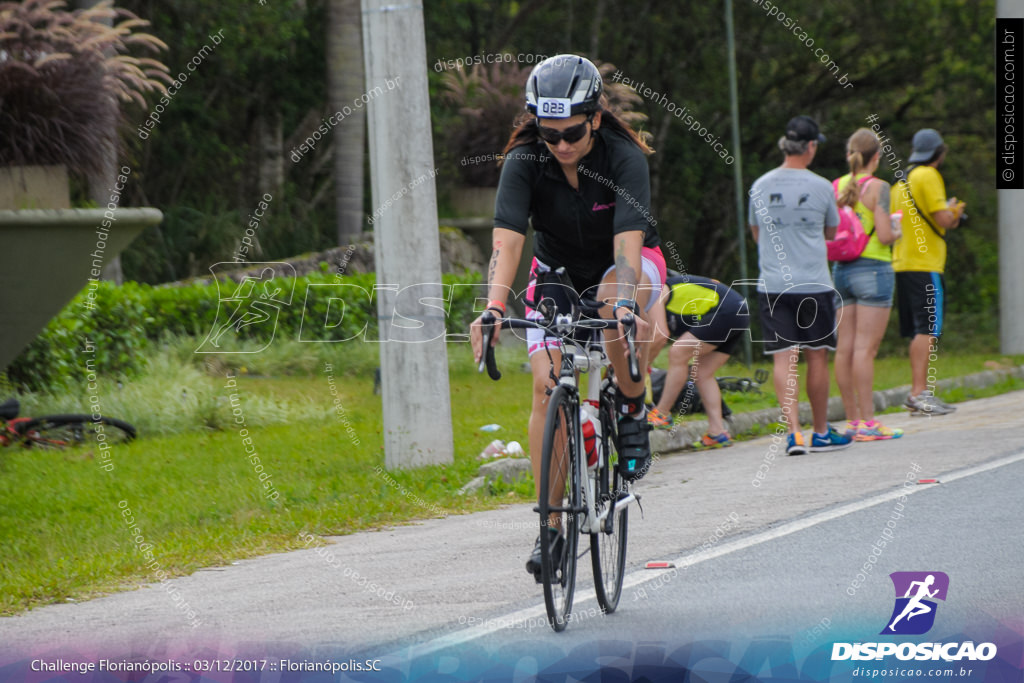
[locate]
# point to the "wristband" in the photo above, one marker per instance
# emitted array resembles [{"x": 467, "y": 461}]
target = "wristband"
[
  {"x": 624, "y": 303},
  {"x": 496, "y": 305}
]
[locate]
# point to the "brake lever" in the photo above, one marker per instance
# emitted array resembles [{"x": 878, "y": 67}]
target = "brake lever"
[
  {"x": 487, "y": 320},
  {"x": 629, "y": 322}
]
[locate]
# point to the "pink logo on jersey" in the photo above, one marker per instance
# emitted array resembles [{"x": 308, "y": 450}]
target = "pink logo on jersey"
[{"x": 602, "y": 207}]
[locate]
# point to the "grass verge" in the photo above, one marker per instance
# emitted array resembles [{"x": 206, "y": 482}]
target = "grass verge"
[{"x": 198, "y": 498}]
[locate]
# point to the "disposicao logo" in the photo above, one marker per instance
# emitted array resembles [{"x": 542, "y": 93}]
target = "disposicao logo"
[{"x": 913, "y": 615}]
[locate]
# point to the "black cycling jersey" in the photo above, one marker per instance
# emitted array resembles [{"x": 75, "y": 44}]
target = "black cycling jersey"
[{"x": 576, "y": 229}]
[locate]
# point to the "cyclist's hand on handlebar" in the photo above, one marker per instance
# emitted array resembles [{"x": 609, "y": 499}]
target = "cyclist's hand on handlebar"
[
  {"x": 640, "y": 330},
  {"x": 476, "y": 335},
  {"x": 643, "y": 329}
]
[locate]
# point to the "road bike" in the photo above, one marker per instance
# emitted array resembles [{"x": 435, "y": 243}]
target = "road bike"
[
  {"x": 59, "y": 431},
  {"x": 575, "y": 497}
]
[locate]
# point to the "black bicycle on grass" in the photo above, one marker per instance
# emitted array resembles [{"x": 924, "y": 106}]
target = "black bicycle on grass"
[
  {"x": 575, "y": 496},
  {"x": 59, "y": 431}
]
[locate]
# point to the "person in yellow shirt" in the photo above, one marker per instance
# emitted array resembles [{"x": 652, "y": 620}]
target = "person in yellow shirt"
[{"x": 919, "y": 260}]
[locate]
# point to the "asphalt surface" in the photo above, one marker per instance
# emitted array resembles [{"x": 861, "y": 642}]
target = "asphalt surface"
[{"x": 754, "y": 558}]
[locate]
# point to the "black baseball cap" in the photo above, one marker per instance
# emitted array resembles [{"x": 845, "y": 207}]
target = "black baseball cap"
[
  {"x": 803, "y": 128},
  {"x": 926, "y": 142}
]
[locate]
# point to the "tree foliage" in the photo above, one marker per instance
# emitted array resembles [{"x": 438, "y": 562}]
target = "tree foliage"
[{"x": 911, "y": 63}]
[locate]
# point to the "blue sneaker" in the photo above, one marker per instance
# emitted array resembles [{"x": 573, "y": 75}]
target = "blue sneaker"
[
  {"x": 832, "y": 441},
  {"x": 795, "y": 444}
]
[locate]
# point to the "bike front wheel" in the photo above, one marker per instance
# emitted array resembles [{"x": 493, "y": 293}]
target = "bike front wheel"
[
  {"x": 67, "y": 431},
  {"x": 608, "y": 543},
  {"x": 560, "y": 505}
]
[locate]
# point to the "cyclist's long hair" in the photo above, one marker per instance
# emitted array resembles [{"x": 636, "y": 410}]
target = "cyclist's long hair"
[
  {"x": 862, "y": 146},
  {"x": 525, "y": 131}
]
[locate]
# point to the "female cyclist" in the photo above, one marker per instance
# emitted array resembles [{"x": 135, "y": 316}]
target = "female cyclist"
[
  {"x": 579, "y": 174},
  {"x": 864, "y": 288}
]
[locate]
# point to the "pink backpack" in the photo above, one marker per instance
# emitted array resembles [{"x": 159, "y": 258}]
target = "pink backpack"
[{"x": 851, "y": 240}]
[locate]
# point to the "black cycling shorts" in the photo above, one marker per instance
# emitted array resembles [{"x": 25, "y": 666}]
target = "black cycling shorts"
[
  {"x": 807, "y": 321},
  {"x": 921, "y": 298}
]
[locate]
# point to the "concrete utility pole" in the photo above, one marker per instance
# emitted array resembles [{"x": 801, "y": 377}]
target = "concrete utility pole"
[
  {"x": 413, "y": 356},
  {"x": 1011, "y": 202},
  {"x": 1011, "y": 276}
]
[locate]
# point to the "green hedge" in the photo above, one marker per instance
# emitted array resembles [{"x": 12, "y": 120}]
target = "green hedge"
[{"x": 122, "y": 321}]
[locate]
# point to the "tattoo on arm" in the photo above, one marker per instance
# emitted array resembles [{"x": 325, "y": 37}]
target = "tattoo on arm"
[
  {"x": 884, "y": 197},
  {"x": 624, "y": 273},
  {"x": 494, "y": 265}
]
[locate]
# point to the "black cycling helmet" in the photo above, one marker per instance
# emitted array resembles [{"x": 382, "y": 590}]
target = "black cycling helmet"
[{"x": 563, "y": 86}]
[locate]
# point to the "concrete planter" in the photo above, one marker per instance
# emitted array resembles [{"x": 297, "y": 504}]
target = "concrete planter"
[
  {"x": 48, "y": 256},
  {"x": 34, "y": 187}
]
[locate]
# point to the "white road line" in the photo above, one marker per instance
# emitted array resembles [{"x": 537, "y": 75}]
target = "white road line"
[{"x": 636, "y": 578}]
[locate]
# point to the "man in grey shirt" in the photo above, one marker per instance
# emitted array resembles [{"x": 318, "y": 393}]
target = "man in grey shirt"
[{"x": 792, "y": 211}]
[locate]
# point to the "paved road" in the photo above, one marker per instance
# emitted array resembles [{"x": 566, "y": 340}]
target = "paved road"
[{"x": 782, "y": 561}]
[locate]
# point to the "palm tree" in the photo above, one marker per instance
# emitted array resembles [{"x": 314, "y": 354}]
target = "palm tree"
[
  {"x": 106, "y": 161},
  {"x": 345, "y": 85}
]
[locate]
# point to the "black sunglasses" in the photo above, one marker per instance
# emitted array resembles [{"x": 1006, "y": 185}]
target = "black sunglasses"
[{"x": 570, "y": 135}]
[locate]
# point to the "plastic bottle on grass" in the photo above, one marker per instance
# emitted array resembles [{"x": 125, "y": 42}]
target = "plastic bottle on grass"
[{"x": 495, "y": 449}]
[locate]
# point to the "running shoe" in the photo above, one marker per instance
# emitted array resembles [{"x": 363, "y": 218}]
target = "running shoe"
[
  {"x": 707, "y": 441},
  {"x": 533, "y": 565},
  {"x": 795, "y": 444},
  {"x": 927, "y": 404},
  {"x": 853, "y": 426},
  {"x": 831, "y": 441},
  {"x": 658, "y": 419},
  {"x": 874, "y": 430}
]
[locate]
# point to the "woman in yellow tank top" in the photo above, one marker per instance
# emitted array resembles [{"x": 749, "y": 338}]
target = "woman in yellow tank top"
[{"x": 864, "y": 289}]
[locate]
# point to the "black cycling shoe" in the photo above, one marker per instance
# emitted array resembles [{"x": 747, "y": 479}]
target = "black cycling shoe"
[
  {"x": 533, "y": 565},
  {"x": 634, "y": 447}
]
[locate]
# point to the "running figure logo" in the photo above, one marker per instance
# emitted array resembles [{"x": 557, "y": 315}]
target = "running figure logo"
[
  {"x": 914, "y": 613},
  {"x": 254, "y": 301}
]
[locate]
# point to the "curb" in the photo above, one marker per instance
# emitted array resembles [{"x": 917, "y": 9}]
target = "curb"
[{"x": 682, "y": 436}]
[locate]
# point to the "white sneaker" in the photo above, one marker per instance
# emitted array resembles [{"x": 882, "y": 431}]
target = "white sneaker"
[{"x": 927, "y": 404}]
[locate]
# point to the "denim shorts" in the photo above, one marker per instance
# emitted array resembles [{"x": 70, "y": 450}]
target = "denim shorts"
[{"x": 866, "y": 281}]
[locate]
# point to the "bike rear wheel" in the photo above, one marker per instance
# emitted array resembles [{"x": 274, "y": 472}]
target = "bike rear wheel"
[
  {"x": 66, "y": 431},
  {"x": 560, "y": 476},
  {"x": 608, "y": 544}
]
